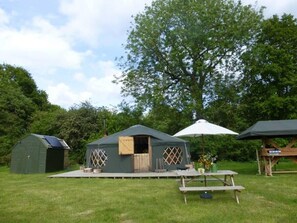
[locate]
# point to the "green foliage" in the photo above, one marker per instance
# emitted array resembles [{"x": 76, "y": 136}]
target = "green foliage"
[
  {"x": 224, "y": 103},
  {"x": 176, "y": 49},
  {"x": 123, "y": 117},
  {"x": 47, "y": 122},
  {"x": 225, "y": 147},
  {"x": 76, "y": 126},
  {"x": 167, "y": 119},
  {"x": 18, "y": 77},
  {"x": 16, "y": 108},
  {"x": 270, "y": 81}
]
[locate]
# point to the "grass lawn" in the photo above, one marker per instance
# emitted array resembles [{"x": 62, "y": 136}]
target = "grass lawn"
[{"x": 37, "y": 198}]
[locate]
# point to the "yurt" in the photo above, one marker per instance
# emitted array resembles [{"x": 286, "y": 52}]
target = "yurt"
[{"x": 137, "y": 149}]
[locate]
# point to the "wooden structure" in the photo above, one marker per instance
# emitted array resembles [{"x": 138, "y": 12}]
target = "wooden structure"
[
  {"x": 270, "y": 153},
  {"x": 228, "y": 182},
  {"x": 92, "y": 174}
]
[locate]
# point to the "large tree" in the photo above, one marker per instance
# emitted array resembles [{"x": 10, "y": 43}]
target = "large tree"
[
  {"x": 270, "y": 79},
  {"x": 15, "y": 115},
  {"x": 22, "y": 79},
  {"x": 176, "y": 49},
  {"x": 47, "y": 122},
  {"x": 19, "y": 99},
  {"x": 21, "y": 105}
]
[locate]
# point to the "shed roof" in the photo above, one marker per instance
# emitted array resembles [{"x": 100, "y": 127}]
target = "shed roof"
[
  {"x": 52, "y": 141},
  {"x": 137, "y": 130},
  {"x": 270, "y": 129}
]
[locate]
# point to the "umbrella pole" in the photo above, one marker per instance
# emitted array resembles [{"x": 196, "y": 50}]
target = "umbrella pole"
[
  {"x": 202, "y": 144},
  {"x": 203, "y": 155}
]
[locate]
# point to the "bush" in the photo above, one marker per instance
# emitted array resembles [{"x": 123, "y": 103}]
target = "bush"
[{"x": 226, "y": 147}]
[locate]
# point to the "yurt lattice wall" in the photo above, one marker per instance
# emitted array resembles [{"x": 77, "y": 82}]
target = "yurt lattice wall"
[
  {"x": 173, "y": 155},
  {"x": 98, "y": 158}
]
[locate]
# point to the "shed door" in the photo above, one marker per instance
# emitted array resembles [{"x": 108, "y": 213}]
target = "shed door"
[{"x": 32, "y": 159}]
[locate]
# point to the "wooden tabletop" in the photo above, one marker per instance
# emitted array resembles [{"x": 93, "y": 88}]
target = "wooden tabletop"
[{"x": 193, "y": 172}]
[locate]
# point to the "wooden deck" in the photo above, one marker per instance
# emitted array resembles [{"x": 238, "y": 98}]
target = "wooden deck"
[{"x": 81, "y": 174}]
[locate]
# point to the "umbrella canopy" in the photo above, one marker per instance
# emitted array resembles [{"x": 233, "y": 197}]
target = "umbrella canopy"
[{"x": 203, "y": 127}]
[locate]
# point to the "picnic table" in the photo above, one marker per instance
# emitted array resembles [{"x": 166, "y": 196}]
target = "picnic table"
[{"x": 226, "y": 177}]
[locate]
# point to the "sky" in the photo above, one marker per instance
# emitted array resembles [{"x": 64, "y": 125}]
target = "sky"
[{"x": 70, "y": 46}]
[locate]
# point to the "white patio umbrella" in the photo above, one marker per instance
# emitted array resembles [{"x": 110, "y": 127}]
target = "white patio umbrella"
[{"x": 203, "y": 127}]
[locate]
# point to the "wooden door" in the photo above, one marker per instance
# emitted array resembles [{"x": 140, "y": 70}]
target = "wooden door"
[{"x": 141, "y": 162}]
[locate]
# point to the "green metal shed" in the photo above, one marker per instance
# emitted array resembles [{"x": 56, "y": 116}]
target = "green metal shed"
[
  {"x": 39, "y": 154},
  {"x": 137, "y": 149}
]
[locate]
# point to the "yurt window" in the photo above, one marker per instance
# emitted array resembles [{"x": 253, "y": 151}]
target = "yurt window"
[
  {"x": 98, "y": 158},
  {"x": 141, "y": 144},
  {"x": 172, "y": 155}
]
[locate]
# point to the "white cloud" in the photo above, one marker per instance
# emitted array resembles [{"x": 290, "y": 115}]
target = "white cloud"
[
  {"x": 4, "y": 18},
  {"x": 79, "y": 77},
  {"x": 65, "y": 96},
  {"x": 98, "y": 88},
  {"x": 39, "y": 48},
  {"x": 95, "y": 22},
  {"x": 48, "y": 50},
  {"x": 275, "y": 7},
  {"x": 101, "y": 84}
]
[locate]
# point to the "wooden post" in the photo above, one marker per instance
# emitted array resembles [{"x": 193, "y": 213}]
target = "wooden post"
[
  {"x": 270, "y": 168},
  {"x": 258, "y": 161}
]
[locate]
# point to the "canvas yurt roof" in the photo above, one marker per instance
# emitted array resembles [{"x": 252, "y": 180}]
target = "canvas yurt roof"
[{"x": 137, "y": 130}]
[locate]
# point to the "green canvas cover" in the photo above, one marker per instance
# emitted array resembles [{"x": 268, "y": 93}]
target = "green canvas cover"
[{"x": 270, "y": 129}]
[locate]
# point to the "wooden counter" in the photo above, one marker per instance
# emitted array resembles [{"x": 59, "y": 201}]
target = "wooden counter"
[{"x": 268, "y": 157}]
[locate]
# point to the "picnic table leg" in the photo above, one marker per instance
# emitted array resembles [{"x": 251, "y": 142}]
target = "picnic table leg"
[
  {"x": 232, "y": 180},
  {"x": 225, "y": 180},
  {"x": 229, "y": 181},
  {"x": 185, "y": 198},
  {"x": 236, "y": 196},
  {"x": 183, "y": 181},
  {"x": 235, "y": 191}
]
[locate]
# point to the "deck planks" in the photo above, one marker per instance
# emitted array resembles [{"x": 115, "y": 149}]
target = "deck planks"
[{"x": 81, "y": 174}]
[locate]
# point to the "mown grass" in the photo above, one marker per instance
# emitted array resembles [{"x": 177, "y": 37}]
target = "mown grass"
[{"x": 37, "y": 198}]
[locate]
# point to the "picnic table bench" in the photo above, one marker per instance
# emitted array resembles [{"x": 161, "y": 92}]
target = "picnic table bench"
[
  {"x": 212, "y": 188},
  {"x": 228, "y": 182}
]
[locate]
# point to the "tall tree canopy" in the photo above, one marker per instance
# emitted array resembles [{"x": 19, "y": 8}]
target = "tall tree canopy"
[
  {"x": 270, "y": 80},
  {"x": 20, "y": 78},
  {"x": 19, "y": 99},
  {"x": 77, "y": 126},
  {"x": 176, "y": 49}
]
